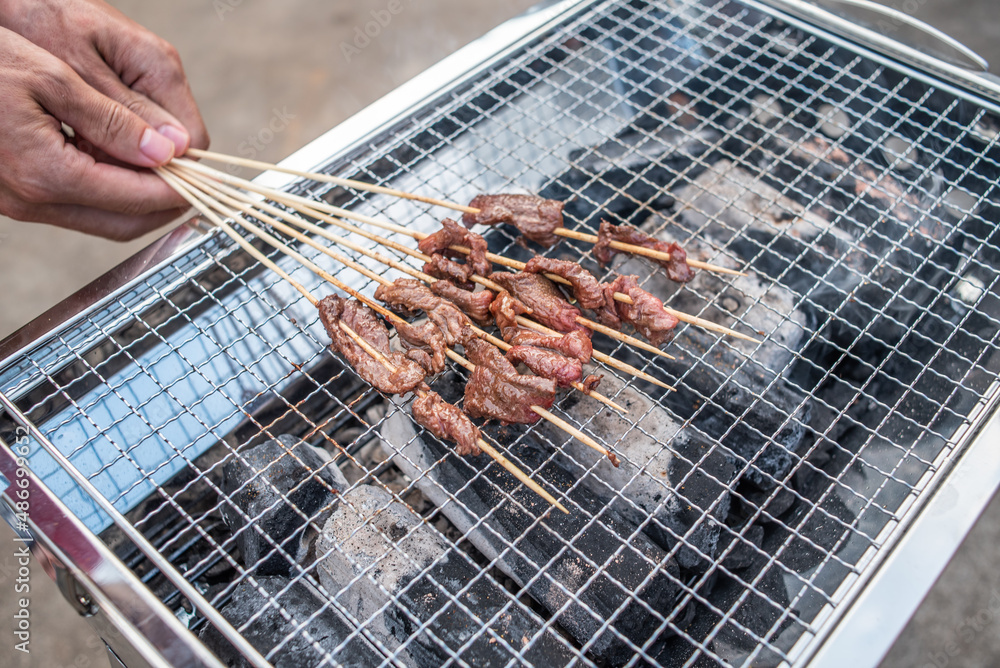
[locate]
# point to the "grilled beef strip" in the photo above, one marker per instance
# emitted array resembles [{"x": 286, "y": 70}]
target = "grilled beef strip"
[
  {"x": 585, "y": 287},
  {"x": 505, "y": 308},
  {"x": 476, "y": 305},
  {"x": 538, "y": 293},
  {"x": 408, "y": 295},
  {"x": 497, "y": 391},
  {"x": 424, "y": 344},
  {"x": 333, "y": 310},
  {"x": 677, "y": 268},
  {"x": 576, "y": 345},
  {"x": 447, "y": 422},
  {"x": 591, "y": 382},
  {"x": 646, "y": 313},
  {"x": 548, "y": 364},
  {"x": 535, "y": 217},
  {"x": 438, "y": 245}
]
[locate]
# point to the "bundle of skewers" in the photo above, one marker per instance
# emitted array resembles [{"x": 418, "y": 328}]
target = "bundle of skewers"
[{"x": 539, "y": 327}]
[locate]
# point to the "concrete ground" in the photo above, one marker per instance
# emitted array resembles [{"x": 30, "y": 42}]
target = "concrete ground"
[{"x": 247, "y": 62}]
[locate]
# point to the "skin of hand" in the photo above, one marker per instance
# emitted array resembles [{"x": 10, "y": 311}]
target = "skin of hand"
[{"x": 124, "y": 93}]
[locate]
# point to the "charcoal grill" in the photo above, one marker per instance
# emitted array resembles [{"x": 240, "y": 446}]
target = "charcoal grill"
[{"x": 790, "y": 503}]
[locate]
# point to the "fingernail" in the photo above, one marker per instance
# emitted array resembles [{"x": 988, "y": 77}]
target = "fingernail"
[
  {"x": 156, "y": 147},
  {"x": 179, "y": 136}
]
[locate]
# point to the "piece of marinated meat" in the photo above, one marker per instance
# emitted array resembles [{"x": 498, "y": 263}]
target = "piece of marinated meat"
[
  {"x": 505, "y": 310},
  {"x": 548, "y": 364},
  {"x": 536, "y": 218},
  {"x": 407, "y": 375},
  {"x": 423, "y": 358},
  {"x": 575, "y": 344},
  {"x": 497, "y": 391},
  {"x": 547, "y": 304},
  {"x": 424, "y": 344},
  {"x": 452, "y": 234},
  {"x": 677, "y": 267},
  {"x": 646, "y": 313},
  {"x": 476, "y": 305},
  {"x": 447, "y": 269},
  {"x": 408, "y": 295},
  {"x": 586, "y": 289},
  {"x": 591, "y": 382},
  {"x": 447, "y": 422}
]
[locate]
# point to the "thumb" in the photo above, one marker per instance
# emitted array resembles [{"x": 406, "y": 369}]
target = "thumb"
[{"x": 105, "y": 123}]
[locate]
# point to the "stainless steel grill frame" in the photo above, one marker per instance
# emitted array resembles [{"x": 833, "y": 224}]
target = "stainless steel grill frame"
[{"x": 192, "y": 352}]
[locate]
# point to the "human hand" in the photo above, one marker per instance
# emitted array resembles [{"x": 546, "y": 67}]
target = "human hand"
[
  {"x": 117, "y": 57},
  {"x": 46, "y": 178}
]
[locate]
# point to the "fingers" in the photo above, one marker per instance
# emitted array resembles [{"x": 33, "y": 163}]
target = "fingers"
[
  {"x": 95, "y": 222},
  {"x": 150, "y": 68},
  {"x": 108, "y": 124},
  {"x": 168, "y": 125}
]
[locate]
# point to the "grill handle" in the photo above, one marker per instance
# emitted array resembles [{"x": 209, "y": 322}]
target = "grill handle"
[
  {"x": 907, "y": 30},
  {"x": 895, "y": 34}
]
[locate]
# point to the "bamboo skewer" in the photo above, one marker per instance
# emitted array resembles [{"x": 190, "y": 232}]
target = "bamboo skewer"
[
  {"x": 392, "y": 192},
  {"x": 261, "y": 234},
  {"x": 645, "y": 252},
  {"x": 248, "y": 208},
  {"x": 314, "y": 206},
  {"x": 625, "y": 299},
  {"x": 192, "y": 198},
  {"x": 306, "y": 206},
  {"x": 309, "y": 207},
  {"x": 325, "y": 178},
  {"x": 599, "y": 356},
  {"x": 483, "y": 445}
]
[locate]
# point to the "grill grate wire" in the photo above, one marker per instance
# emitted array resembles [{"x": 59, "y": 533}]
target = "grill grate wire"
[{"x": 152, "y": 395}]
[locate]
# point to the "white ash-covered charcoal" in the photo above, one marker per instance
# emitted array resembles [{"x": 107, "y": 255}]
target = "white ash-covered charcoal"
[
  {"x": 625, "y": 175},
  {"x": 871, "y": 253},
  {"x": 672, "y": 474},
  {"x": 745, "y": 215},
  {"x": 279, "y": 485},
  {"x": 267, "y": 627},
  {"x": 552, "y": 557},
  {"x": 396, "y": 573},
  {"x": 736, "y": 390}
]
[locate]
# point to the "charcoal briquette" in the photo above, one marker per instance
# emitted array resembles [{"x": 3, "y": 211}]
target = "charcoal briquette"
[
  {"x": 267, "y": 627},
  {"x": 279, "y": 485},
  {"x": 397, "y": 574},
  {"x": 554, "y": 557}
]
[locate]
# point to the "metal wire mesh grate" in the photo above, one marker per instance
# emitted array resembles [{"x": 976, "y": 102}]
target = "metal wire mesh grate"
[{"x": 750, "y": 501}]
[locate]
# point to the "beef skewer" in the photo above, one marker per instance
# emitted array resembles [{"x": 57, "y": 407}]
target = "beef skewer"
[
  {"x": 310, "y": 207},
  {"x": 401, "y": 325},
  {"x": 313, "y": 208},
  {"x": 246, "y": 205},
  {"x": 207, "y": 200},
  {"x": 194, "y": 198},
  {"x": 469, "y": 210},
  {"x": 424, "y": 417},
  {"x": 292, "y": 200},
  {"x": 297, "y": 201}
]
